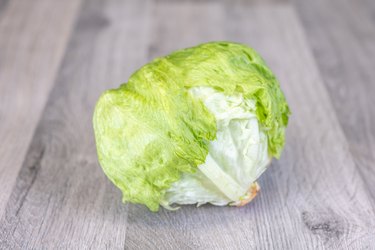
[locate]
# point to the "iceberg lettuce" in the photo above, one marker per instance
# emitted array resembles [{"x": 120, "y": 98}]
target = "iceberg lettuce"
[{"x": 197, "y": 126}]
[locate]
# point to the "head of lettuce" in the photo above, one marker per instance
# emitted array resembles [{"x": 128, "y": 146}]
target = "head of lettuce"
[{"x": 197, "y": 126}]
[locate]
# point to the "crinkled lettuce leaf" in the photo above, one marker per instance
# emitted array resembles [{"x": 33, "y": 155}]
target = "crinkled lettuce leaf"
[
  {"x": 152, "y": 130},
  {"x": 235, "y": 160}
]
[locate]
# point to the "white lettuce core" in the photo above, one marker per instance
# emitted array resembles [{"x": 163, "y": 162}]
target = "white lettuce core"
[{"x": 236, "y": 158}]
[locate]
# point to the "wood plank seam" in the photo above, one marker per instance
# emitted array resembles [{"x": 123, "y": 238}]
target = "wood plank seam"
[
  {"x": 366, "y": 181},
  {"x": 24, "y": 95}
]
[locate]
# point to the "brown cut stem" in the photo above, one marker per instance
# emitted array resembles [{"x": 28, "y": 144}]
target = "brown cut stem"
[{"x": 250, "y": 195}]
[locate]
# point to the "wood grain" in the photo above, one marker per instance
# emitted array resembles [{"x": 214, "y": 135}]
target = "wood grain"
[
  {"x": 343, "y": 42},
  {"x": 186, "y": 29},
  {"x": 61, "y": 199},
  {"x": 31, "y": 49},
  {"x": 313, "y": 197}
]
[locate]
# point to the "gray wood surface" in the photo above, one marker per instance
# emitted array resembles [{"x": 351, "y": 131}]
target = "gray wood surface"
[
  {"x": 62, "y": 198},
  {"x": 317, "y": 196},
  {"x": 31, "y": 49},
  {"x": 345, "y": 52}
]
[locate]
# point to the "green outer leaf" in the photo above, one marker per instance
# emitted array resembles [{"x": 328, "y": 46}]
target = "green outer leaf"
[{"x": 151, "y": 129}]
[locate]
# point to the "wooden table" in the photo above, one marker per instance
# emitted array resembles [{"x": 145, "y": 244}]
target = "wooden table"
[{"x": 56, "y": 57}]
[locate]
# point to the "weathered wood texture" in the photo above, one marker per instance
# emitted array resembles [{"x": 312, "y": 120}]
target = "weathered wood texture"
[
  {"x": 314, "y": 197},
  {"x": 33, "y": 36},
  {"x": 343, "y": 42},
  {"x": 61, "y": 198}
]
